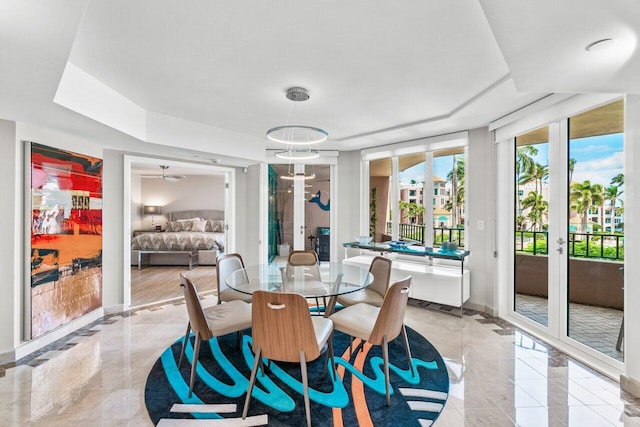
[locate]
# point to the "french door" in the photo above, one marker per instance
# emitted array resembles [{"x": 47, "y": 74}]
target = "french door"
[
  {"x": 568, "y": 222},
  {"x": 299, "y": 209}
]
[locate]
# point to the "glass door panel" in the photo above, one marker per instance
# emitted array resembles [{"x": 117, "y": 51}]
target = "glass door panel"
[
  {"x": 281, "y": 199},
  {"x": 411, "y": 210},
  {"x": 317, "y": 196},
  {"x": 596, "y": 229},
  {"x": 531, "y": 260},
  {"x": 380, "y": 173},
  {"x": 448, "y": 197}
]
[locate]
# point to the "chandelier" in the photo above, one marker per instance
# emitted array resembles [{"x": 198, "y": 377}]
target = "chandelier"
[{"x": 298, "y": 138}]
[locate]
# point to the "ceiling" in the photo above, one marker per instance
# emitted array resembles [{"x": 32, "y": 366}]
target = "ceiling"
[{"x": 205, "y": 79}]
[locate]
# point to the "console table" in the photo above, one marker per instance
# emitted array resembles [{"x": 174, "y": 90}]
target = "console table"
[{"x": 445, "y": 281}]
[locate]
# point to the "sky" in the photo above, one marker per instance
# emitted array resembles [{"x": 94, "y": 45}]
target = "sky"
[
  {"x": 598, "y": 159},
  {"x": 441, "y": 168}
]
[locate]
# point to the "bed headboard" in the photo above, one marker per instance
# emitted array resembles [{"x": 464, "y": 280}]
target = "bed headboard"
[{"x": 211, "y": 214}]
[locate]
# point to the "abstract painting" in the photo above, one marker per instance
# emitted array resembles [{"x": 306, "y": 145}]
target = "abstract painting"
[{"x": 66, "y": 237}]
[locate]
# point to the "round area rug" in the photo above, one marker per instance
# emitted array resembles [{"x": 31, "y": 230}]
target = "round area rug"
[{"x": 355, "y": 397}]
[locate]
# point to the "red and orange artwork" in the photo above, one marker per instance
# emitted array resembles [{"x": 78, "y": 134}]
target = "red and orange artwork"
[{"x": 66, "y": 237}]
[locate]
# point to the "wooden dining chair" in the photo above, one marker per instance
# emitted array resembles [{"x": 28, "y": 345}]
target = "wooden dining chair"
[
  {"x": 225, "y": 265},
  {"x": 378, "y": 325},
  {"x": 306, "y": 263},
  {"x": 373, "y": 294},
  {"x": 234, "y": 316},
  {"x": 283, "y": 330}
]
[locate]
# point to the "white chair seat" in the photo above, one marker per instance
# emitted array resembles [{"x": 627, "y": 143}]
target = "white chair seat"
[
  {"x": 228, "y": 317},
  {"x": 365, "y": 296},
  {"x": 366, "y": 316}
]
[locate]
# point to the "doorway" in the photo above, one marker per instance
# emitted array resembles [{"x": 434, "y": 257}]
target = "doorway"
[
  {"x": 568, "y": 222},
  {"x": 299, "y": 210}
]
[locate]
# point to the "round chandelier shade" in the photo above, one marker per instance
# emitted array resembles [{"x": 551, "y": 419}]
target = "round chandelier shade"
[
  {"x": 297, "y": 154},
  {"x": 297, "y": 135},
  {"x": 298, "y": 176}
]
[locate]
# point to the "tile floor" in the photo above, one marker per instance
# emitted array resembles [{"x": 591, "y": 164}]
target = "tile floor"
[
  {"x": 597, "y": 327},
  {"x": 499, "y": 376}
]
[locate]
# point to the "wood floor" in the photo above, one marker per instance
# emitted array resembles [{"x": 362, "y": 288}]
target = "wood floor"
[{"x": 162, "y": 283}]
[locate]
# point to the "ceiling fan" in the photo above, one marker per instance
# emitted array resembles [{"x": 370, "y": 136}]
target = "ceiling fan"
[{"x": 164, "y": 176}]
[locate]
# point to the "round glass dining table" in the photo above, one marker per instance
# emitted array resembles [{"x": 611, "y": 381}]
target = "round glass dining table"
[{"x": 327, "y": 280}]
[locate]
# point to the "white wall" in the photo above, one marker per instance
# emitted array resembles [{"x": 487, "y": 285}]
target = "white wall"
[
  {"x": 136, "y": 202},
  {"x": 10, "y": 248},
  {"x": 113, "y": 241},
  {"x": 194, "y": 192},
  {"x": 248, "y": 192},
  {"x": 348, "y": 199},
  {"x": 480, "y": 224}
]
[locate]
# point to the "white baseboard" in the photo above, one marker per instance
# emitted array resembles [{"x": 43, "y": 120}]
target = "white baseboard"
[
  {"x": 479, "y": 307},
  {"x": 113, "y": 309},
  {"x": 630, "y": 385},
  {"x": 36, "y": 344},
  {"x": 7, "y": 357}
]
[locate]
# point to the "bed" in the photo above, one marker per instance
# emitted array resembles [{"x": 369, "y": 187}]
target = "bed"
[{"x": 199, "y": 232}]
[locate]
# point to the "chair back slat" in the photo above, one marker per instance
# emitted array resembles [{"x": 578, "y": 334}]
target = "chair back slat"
[
  {"x": 381, "y": 270},
  {"x": 305, "y": 263},
  {"x": 302, "y": 258},
  {"x": 282, "y": 326},
  {"x": 197, "y": 320},
  {"x": 391, "y": 316}
]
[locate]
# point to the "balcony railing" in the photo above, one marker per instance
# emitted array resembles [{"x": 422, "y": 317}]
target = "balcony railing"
[
  {"x": 415, "y": 233},
  {"x": 580, "y": 245}
]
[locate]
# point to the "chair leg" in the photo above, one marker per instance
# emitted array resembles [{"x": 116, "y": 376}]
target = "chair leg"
[
  {"x": 405, "y": 340},
  {"x": 252, "y": 380},
  {"x": 329, "y": 359},
  {"x": 385, "y": 358},
  {"x": 194, "y": 363},
  {"x": 305, "y": 386},
  {"x": 239, "y": 338},
  {"x": 184, "y": 344}
]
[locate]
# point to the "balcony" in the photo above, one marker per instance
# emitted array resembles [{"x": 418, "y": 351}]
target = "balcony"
[{"x": 596, "y": 296}]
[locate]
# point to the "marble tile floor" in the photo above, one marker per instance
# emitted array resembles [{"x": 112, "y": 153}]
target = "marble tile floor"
[{"x": 499, "y": 376}]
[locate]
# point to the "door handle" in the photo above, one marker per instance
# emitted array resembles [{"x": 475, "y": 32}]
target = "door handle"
[{"x": 560, "y": 242}]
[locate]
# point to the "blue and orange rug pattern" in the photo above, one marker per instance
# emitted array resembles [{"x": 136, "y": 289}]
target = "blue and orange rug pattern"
[{"x": 355, "y": 397}]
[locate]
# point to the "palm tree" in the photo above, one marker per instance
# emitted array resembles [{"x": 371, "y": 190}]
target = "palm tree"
[
  {"x": 456, "y": 200},
  {"x": 538, "y": 174},
  {"x": 524, "y": 165},
  {"x": 411, "y": 210},
  {"x": 618, "y": 180},
  {"x": 538, "y": 209},
  {"x": 572, "y": 167},
  {"x": 583, "y": 196},
  {"x": 612, "y": 194}
]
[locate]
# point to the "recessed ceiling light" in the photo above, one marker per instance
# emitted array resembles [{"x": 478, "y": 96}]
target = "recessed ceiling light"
[{"x": 600, "y": 45}]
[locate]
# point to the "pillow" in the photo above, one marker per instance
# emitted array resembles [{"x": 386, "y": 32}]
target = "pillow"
[
  {"x": 198, "y": 225},
  {"x": 175, "y": 226},
  {"x": 188, "y": 219},
  {"x": 215, "y": 226}
]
